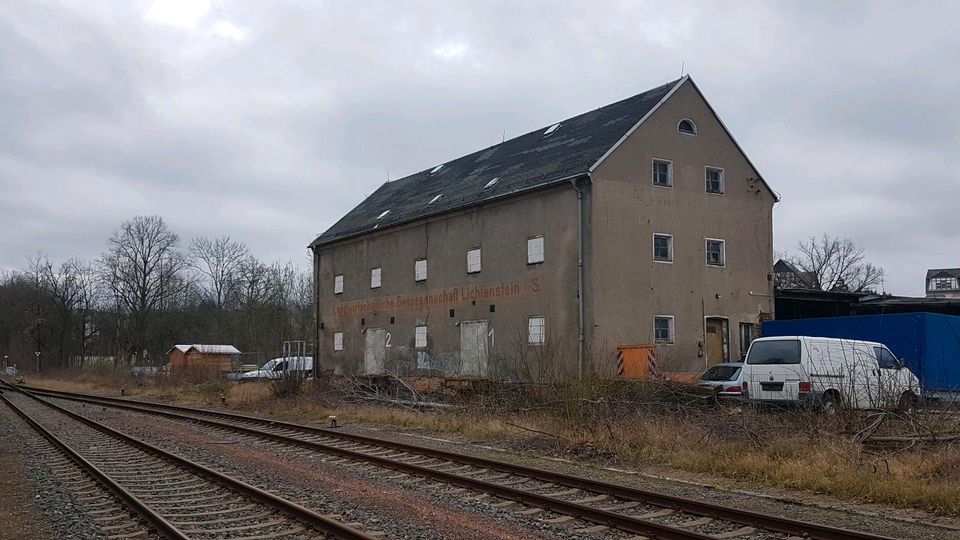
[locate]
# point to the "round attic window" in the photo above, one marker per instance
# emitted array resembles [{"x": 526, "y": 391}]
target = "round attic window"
[{"x": 687, "y": 126}]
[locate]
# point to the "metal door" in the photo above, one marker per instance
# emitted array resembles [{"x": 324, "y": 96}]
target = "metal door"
[
  {"x": 473, "y": 348},
  {"x": 374, "y": 351}
]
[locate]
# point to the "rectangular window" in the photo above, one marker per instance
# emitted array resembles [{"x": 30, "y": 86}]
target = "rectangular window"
[
  {"x": 375, "y": 278},
  {"x": 536, "y": 331},
  {"x": 473, "y": 260},
  {"x": 420, "y": 337},
  {"x": 662, "y": 247},
  {"x": 746, "y": 336},
  {"x": 885, "y": 358},
  {"x": 662, "y": 173},
  {"x": 338, "y": 284},
  {"x": 714, "y": 180},
  {"x": 420, "y": 270},
  {"x": 535, "y": 250},
  {"x": 716, "y": 252},
  {"x": 779, "y": 351},
  {"x": 663, "y": 328},
  {"x": 338, "y": 341},
  {"x": 942, "y": 284}
]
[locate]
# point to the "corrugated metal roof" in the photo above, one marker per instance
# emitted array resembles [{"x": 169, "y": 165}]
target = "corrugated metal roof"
[
  {"x": 534, "y": 160},
  {"x": 207, "y": 349}
]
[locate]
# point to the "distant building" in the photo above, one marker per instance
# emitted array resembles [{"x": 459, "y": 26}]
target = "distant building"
[
  {"x": 639, "y": 223},
  {"x": 943, "y": 283},
  {"x": 786, "y": 275},
  {"x": 214, "y": 358}
]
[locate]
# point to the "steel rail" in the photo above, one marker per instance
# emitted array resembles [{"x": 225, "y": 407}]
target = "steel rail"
[
  {"x": 743, "y": 517},
  {"x": 336, "y": 529},
  {"x": 162, "y": 526},
  {"x": 582, "y": 511}
]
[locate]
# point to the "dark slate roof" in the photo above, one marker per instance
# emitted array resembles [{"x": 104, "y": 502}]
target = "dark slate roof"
[
  {"x": 943, "y": 272},
  {"x": 525, "y": 163}
]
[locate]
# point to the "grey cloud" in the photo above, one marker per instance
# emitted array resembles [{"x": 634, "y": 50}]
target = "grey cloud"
[{"x": 849, "y": 110}]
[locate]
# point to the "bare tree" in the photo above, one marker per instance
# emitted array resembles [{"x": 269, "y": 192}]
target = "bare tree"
[
  {"x": 143, "y": 270},
  {"x": 220, "y": 261},
  {"x": 68, "y": 286},
  {"x": 835, "y": 264}
]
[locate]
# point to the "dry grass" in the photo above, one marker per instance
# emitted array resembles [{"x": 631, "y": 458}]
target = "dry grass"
[{"x": 763, "y": 449}]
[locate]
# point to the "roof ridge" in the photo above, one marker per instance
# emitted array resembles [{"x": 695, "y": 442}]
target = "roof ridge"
[{"x": 522, "y": 160}]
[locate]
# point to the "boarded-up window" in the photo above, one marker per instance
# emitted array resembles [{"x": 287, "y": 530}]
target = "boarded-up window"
[
  {"x": 420, "y": 270},
  {"x": 663, "y": 329},
  {"x": 375, "y": 278},
  {"x": 536, "y": 330},
  {"x": 420, "y": 337},
  {"x": 338, "y": 341},
  {"x": 338, "y": 284},
  {"x": 473, "y": 260},
  {"x": 535, "y": 250}
]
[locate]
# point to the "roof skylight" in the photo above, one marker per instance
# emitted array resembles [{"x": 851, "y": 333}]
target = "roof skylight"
[
  {"x": 383, "y": 215},
  {"x": 492, "y": 183},
  {"x": 436, "y": 198},
  {"x": 436, "y": 169},
  {"x": 551, "y": 129}
]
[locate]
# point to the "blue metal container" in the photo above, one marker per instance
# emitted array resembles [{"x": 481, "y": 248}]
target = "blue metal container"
[{"x": 928, "y": 343}]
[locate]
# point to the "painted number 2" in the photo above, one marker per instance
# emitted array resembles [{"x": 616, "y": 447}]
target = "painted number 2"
[{"x": 388, "y": 339}]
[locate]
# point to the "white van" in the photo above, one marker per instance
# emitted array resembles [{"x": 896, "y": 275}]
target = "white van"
[
  {"x": 827, "y": 371},
  {"x": 276, "y": 368}
]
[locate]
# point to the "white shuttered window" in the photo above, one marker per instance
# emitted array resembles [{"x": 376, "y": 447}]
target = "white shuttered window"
[
  {"x": 473, "y": 260},
  {"x": 421, "y": 337},
  {"x": 535, "y": 250},
  {"x": 536, "y": 331},
  {"x": 420, "y": 270}
]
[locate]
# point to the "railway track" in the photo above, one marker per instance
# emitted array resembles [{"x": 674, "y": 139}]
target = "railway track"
[
  {"x": 149, "y": 492},
  {"x": 608, "y": 508}
]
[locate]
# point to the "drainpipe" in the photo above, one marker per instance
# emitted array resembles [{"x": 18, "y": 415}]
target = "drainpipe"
[
  {"x": 316, "y": 313},
  {"x": 580, "y": 338}
]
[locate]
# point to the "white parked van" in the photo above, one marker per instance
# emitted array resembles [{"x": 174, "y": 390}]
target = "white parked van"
[
  {"x": 276, "y": 368},
  {"x": 827, "y": 371}
]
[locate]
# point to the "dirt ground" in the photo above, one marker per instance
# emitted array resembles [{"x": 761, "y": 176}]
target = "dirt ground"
[{"x": 20, "y": 518}]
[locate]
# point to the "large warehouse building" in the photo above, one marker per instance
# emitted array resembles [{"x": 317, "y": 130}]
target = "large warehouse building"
[{"x": 639, "y": 223}]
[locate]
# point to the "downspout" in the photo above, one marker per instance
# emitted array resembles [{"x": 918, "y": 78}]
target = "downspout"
[
  {"x": 580, "y": 317},
  {"x": 316, "y": 312}
]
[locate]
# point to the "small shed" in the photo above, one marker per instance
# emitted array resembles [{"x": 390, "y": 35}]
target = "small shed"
[{"x": 216, "y": 358}]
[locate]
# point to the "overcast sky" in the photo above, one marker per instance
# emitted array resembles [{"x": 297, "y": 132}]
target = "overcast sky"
[{"x": 267, "y": 121}]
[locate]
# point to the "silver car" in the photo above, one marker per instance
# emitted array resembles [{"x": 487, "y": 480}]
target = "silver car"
[{"x": 726, "y": 378}]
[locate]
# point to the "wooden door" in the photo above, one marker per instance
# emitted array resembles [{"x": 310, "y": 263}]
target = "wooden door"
[{"x": 716, "y": 341}]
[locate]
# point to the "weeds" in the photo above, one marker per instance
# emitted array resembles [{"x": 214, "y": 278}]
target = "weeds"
[{"x": 628, "y": 424}]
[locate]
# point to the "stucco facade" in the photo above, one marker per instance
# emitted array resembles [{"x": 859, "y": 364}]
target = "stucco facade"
[
  {"x": 627, "y": 288},
  {"x": 469, "y": 315}
]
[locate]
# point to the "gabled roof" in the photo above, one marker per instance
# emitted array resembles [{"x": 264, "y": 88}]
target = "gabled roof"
[
  {"x": 943, "y": 272},
  {"x": 206, "y": 349},
  {"x": 525, "y": 163},
  {"x": 789, "y": 276}
]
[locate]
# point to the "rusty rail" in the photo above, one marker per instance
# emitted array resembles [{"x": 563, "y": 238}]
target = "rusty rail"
[{"x": 627, "y": 523}]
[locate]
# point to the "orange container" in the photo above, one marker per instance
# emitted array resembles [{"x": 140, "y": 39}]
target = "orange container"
[{"x": 636, "y": 361}]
